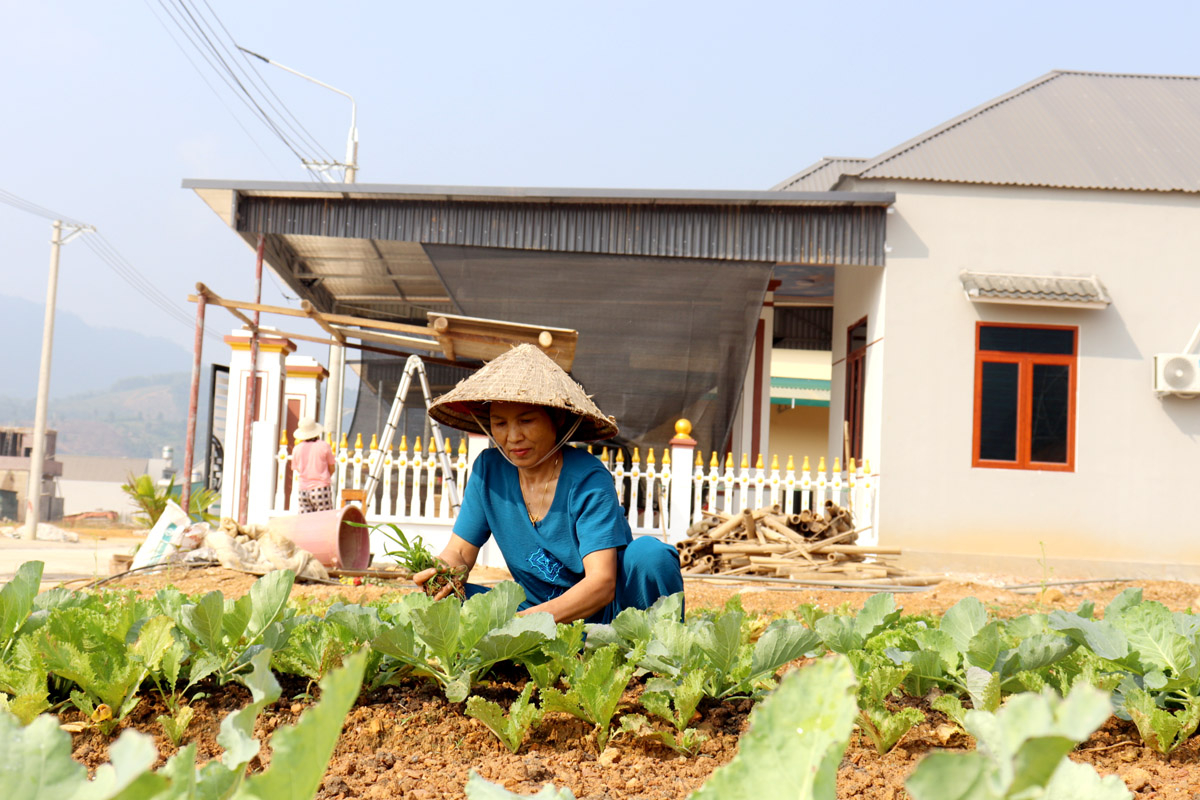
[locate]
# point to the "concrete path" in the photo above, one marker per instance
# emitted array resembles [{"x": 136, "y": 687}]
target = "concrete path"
[{"x": 80, "y": 561}]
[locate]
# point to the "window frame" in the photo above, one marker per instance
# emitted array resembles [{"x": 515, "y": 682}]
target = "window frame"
[{"x": 1025, "y": 362}]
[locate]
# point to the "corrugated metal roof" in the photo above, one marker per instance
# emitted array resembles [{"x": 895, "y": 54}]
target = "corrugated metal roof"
[
  {"x": 1038, "y": 290},
  {"x": 821, "y": 176},
  {"x": 1066, "y": 129},
  {"x": 811, "y": 235}
]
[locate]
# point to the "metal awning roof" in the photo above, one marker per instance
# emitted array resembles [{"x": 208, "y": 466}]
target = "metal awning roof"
[
  {"x": 1035, "y": 290},
  {"x": 360, "y": 248},
  {"x": 800, "y": 392}
]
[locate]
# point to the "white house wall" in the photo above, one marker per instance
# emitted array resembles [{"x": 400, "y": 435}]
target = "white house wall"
[
  {"x": 1127, "y": 507},
  {"x": 858, "y": 292}
]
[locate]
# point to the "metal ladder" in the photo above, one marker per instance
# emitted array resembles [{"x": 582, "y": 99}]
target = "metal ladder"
[{"x": 413, "y": 365}]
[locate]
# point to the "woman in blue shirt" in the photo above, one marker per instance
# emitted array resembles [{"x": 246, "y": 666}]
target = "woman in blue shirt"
[{"x": 553, "y": 509}]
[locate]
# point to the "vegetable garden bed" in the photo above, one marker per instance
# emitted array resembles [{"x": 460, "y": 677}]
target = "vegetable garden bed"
[{"x": 408, "y": 739}]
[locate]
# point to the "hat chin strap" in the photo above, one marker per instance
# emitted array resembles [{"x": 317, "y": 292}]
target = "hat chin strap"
[{"x": 565, "y": 438}]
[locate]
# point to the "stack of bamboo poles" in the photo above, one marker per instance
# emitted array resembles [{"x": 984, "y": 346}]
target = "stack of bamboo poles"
[{"x": 809, "y": 545}]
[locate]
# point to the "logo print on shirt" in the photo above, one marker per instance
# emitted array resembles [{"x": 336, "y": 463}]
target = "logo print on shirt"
[{"x": 546, "y": 565}]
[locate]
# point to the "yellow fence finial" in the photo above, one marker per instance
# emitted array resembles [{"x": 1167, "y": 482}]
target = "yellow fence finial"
[
  {"x": 447, "y": 446},
  {"x": 637, "y": 457},
  {"x": 666, "y": 456},
  {"x": 745, "y": 461},
  {"x": 404, "y": 443},
  {"x": 417, "y": 444},
  {"x": 716, "y": 461},
  {"x": 758, "y": 464},
  {"x": 683, "y": 427},
  {"x": 358, "y": 441},
  {"x": 345, "y": 442},
  {"x": 700, "y": 458},
  {"x": 462, "y": 446},
  {"x": 649, "y": 456},
  {"x": 620, "y": 456},
  {"x": 775, "y": 462},
  {"x": 837, "y": 464},
  {"x": 852, "y": 469},
  {"x": 820, "y": 464},
  {"x": 867, "y": 466},
  {"x": 804, "y": 466},
  {"x": 283, "y": 438},
  {"x": 374, "y": 442},
  {"x": 729, "y": 460}
]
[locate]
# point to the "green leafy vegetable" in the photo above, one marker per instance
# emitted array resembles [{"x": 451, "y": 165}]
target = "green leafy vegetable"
[
  {"x": 1021, "y": 752},
  {"x": 456, "y": 643},
  {"x": 796, "y": 739},
  {"x": 511, "y": 727},
  {"x": 596, "y": 688},
  {"x": 1161, "y": 728},
  {"x": 685, "y": 742},
  {"x": 885, "y": 728}
]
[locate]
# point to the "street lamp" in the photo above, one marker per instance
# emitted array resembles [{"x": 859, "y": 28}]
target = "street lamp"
[
  {"x": 37, "y": 454},
  {"x": 350, "y": 166}
]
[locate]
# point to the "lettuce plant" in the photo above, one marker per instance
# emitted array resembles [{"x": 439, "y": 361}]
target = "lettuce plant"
[
  {"x": 685, "y": 742},
  {"x": 597, "y": 684},
  {"x": 36, "y": 763},
  {"x": 1021, "y": 752},
  {"x": 455, "y": 643},
  {"x": 225, "y": 635},
  {"x": 1162, "y": 728},
  {"x": 510, "y": 727}
]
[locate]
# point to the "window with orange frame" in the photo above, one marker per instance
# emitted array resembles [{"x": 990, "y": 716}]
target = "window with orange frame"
[{"x": 1025, "y": 379}]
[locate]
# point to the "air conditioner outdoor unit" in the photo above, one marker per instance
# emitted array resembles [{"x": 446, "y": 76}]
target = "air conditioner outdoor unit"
[{"x": 1177, "y": 373}]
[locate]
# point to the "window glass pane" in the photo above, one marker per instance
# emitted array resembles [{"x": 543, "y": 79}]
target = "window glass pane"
[
  {"x": 1051, "y": 401},
  {"x": 998, "y": 412},
  {"x": 858, "y": 337},
  {"x": 1005, "y": 339}
]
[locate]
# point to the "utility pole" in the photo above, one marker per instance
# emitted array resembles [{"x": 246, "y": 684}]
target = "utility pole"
[
  {"x": 350, "y": 166},
  {"x": 37, "y": 456},
  {"x": 337, "y": 353}
]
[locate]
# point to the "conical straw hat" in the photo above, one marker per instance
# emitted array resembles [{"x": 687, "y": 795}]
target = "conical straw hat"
[{"x": 522, "y": 375}]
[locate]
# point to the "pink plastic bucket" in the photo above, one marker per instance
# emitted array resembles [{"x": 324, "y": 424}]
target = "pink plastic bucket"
[{"x": 330, "y": 536}]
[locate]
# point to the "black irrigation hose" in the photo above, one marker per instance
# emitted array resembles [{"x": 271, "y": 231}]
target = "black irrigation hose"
[
  {"x": 1017, "y": 587},
  {"x": 794, "y": 585},
  {"x": 185, "y": 564}
]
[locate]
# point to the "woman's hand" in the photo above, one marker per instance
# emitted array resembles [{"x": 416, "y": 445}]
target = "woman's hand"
[
  {"x": 459, "y": 552},
  {"x": 422, "y": 578}
]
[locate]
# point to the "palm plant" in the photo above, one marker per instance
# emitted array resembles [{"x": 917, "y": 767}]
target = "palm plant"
[{"x": 152, "y": 499}]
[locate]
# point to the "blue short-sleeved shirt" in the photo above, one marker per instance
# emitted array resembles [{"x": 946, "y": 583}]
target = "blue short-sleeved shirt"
[{"x": 546, "y": 559}]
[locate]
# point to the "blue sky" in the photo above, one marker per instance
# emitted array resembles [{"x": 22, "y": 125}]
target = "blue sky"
[{"x": 104, "y": 115}]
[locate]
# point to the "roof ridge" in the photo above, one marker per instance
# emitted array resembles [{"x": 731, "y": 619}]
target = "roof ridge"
[
  {"x": 945, "y": 127},
  {"x": 1145, "y": 75},
  {"x": 814, "y": 168}
]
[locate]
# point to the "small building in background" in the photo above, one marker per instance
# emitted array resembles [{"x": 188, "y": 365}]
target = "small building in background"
[
  {"x": 93, "y": 483},
  {"x": 16, "y": 444}
]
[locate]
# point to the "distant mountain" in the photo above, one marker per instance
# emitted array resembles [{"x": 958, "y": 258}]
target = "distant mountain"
[
  {"x": 135, "y": 417},
  {"x": 84, "y": 358}
]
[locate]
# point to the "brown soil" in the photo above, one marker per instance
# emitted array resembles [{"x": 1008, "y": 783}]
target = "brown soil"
[{"x": 408, "y": 742}]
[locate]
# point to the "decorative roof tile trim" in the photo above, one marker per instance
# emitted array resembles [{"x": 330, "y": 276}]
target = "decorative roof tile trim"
[{"x": 1035, "y": 290}]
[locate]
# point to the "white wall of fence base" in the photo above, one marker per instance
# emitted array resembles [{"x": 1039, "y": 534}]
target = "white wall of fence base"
[{"x": 660, "y": 500}]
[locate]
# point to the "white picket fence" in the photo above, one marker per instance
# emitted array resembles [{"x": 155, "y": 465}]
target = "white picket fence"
[{"x": 410, "y": 488}]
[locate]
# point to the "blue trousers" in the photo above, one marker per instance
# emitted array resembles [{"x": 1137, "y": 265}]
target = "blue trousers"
[{"x": 647, "y": 569}]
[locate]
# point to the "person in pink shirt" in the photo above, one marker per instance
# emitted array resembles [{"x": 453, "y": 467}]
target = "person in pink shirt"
[{"x": 313, "y": 463}]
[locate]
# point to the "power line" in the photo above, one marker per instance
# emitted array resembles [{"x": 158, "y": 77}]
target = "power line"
[
  {"x": 27, "y": 206},
  {"x": 205, "y": 40},
  {"x": 191, "y": 33},
  {"x": 108, "y": 253},
  {"x": 212, "y": 88}
]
